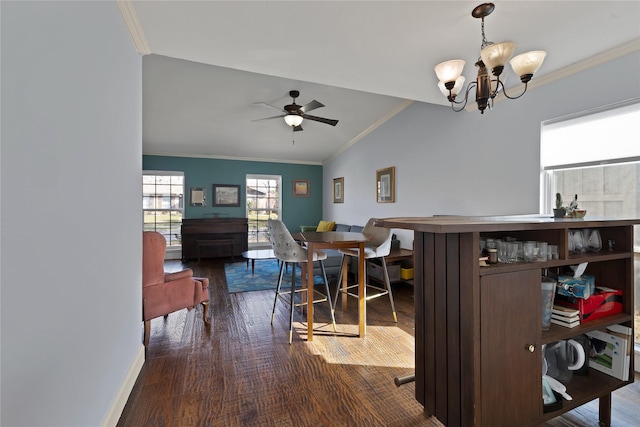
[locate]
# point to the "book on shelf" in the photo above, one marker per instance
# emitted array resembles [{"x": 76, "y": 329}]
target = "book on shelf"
[
  {"x": 611, "y": 351},
  {"x": 565, "y": 311},
  {"x": 565, "y": 323},
  {"x": 568, "y": 319}
]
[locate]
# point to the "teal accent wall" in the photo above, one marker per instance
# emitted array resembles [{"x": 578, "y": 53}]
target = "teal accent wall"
[{"x": 204, "y": 172}]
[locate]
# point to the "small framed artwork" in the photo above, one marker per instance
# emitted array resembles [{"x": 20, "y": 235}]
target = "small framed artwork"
[
  {"x": 226, "y": 195},
  {"x": 386, "y": 185},
  {"x": 338, "y": 190},
  {"x": 198, "y": 196},
  {"x": 301, "y": 188}
]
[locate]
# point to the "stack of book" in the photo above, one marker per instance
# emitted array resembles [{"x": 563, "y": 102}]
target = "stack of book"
[{"x": 565, "y": 316}]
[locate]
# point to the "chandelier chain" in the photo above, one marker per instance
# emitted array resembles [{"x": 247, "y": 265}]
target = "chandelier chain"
[{"x": 485, "y": 42}]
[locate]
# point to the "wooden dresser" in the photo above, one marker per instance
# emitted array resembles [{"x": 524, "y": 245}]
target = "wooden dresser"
[
  {"x": 214, "y": 237},
  {"x": 478, "y": 329}
]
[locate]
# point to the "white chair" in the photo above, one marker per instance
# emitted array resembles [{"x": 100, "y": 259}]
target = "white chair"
[
  {"x": 378, "y": 247},
  {"x": 287, "y": 250}
]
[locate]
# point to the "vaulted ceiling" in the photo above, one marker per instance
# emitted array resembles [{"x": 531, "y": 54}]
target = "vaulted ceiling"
[{"x": 207, "y": 64}]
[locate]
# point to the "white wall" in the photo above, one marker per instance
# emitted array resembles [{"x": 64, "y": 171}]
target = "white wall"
[
  {"x": 71, "y": 166},
  {"x": 467, "y": 163}
]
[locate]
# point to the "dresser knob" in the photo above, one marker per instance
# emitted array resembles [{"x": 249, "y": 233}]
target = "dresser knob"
[{"x": 531, "y": 348}]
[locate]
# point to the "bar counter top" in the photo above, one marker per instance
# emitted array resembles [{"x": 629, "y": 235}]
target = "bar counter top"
[{"x": 464, "y": 224}]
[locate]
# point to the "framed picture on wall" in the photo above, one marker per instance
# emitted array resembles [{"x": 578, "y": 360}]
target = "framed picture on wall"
[
  {"x": 198, "y": 196},
  {"x": 386, "y": 185},
  {"x": 226, "y": 195},
  {"x": 338, "y": 190},
  {"x": 301, "y": 188}
]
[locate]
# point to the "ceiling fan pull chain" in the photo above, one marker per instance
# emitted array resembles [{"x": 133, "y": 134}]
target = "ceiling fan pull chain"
[{"x": 293, "y": 135}]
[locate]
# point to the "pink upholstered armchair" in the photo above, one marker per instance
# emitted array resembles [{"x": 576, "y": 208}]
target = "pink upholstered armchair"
[{"x": 164, "y": 293}]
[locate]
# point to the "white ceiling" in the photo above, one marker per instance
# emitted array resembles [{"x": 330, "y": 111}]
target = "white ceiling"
[{"x": 365, "y": 60}]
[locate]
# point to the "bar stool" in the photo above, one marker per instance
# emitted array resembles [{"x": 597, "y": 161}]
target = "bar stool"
[
  {"x": 287, "y": 250},
  {"x": 377, "y": 248}
]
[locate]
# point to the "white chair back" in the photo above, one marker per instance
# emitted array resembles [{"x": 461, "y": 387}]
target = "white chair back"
[
  {"x": 380, "y": 243},
  {"x": 284, "y": 246}
]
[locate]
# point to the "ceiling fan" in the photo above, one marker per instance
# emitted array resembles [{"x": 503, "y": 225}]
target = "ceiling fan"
[{"x": 293, "y": 114}]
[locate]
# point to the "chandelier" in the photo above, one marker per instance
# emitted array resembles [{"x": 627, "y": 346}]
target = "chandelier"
[{"x": 493, "y": 56}]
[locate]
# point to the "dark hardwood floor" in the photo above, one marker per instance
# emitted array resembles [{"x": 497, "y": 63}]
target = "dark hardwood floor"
[{"x": 241, "y": 370}]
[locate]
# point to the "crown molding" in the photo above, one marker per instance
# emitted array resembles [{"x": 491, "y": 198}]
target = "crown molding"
[
  {"x": 242, "y": 159},
  {"x": 132, "y": 23}
]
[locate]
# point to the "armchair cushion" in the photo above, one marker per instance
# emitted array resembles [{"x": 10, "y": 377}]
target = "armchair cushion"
[{"x": 325, "y": 226}]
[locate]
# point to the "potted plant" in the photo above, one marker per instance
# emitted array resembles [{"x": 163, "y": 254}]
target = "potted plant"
[{"x": 559, "y": 211}]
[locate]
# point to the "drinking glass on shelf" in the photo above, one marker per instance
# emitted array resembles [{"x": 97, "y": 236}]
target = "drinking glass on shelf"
[
  {"x": 529, "y": 251},
  {"x": 575, "y": 237},
  {"x": 502, "y": 251},
  {"x": 542, "y": 251},
  {"x": 594, "y": 244},
  {"x": 520, "y": 255},
  {"x": 512, "y": 252}
]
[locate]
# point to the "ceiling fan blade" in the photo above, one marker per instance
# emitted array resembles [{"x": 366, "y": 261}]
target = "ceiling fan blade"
[
  {"x": 311, "y": 106},
  {"x": 321, "y": 119},
  {"x": 297, "y": 128},
  {"x": 269, "y": 118},
  {"x": 264, "y": 104}
]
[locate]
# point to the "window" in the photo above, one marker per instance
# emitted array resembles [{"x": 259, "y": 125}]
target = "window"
[
  {"x": 264, "y": 201},
  {"x": 163, "y": 204},
  {"x": 596, "y": 156}
]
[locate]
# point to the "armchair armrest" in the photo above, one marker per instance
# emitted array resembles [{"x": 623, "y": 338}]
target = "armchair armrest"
[{"x": 170, "y": 277}]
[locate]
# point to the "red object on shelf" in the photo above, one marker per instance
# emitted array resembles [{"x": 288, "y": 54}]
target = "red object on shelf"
[{"x": 604, "y": 302}]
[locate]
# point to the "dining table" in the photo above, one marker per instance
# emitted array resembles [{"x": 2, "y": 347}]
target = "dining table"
[{"x": 316, "y": 241}]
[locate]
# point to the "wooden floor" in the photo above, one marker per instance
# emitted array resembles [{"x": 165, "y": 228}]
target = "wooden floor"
[{"x": 241, "y": 371}]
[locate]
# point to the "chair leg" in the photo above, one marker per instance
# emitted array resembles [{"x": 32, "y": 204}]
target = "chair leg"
[
  {"x": 387, "y": 283},
  {"x": 147, "y": 331},
  {"x": 339, "y": 284},
  {"x": 293, "y": 297},
  {"x": 326, "y": 288},
  {"x": 273, "y": 312},
  {"x": 205, "y": 310}
]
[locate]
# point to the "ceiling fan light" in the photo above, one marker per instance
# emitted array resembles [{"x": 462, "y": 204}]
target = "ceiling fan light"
[
  {"x": 497, "y": 54},
  {"x": 528, "y": 62},
  {"x": 456, "y": 87},
  {"x": 449, "y": 71},
  {"x": 293, "y": 120}
]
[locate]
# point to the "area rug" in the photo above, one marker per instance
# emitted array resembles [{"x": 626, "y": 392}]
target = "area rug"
[{"x": 239, "y": 278}]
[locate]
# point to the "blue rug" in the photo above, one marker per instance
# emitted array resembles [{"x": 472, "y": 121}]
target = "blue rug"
[{"x": 239, "y": 277}]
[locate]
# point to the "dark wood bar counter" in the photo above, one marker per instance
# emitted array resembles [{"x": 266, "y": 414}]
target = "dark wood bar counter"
[{"x": 478, "y": 329}]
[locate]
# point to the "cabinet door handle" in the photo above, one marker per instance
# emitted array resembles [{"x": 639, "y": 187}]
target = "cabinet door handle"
[{"x": 531, "y": 348}]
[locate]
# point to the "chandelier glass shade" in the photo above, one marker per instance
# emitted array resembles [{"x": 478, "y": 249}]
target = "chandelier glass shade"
[
  {"x": 493, "y": 58},
  {"x": 293, "y": 120}
]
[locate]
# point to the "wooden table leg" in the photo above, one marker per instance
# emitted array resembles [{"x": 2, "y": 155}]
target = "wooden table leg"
[{"x": 345, "y": 270}]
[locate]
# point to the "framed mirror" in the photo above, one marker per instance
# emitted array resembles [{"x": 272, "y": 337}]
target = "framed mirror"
[{"x": 198, "y": 196}]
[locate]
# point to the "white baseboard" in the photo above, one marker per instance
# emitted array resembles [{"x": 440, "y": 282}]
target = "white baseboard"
[{"x": 117, "y": 406}]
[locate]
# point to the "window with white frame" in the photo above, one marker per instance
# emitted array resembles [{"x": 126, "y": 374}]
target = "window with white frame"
[
  {"x": 264, "y": 201},
  {"x": 596, "y": 156},
  {"x": 163, "y": 204}
]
